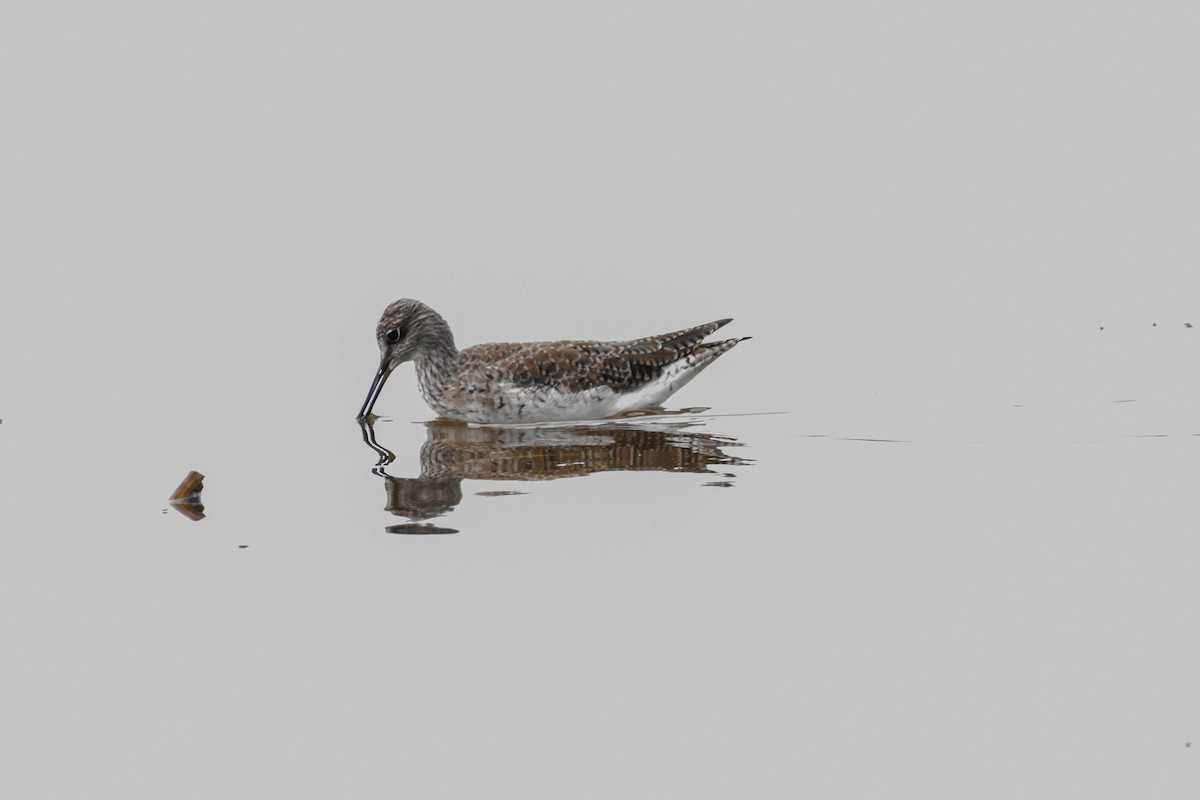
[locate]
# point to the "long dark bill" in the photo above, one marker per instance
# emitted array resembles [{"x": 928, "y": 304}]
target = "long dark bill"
[{"x": 376, "y": 387}]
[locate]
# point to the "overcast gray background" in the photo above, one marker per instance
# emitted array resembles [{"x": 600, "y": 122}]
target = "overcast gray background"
[{"x": 968, "y": 228}]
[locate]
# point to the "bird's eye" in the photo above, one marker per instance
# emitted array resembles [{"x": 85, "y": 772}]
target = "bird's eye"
[{"x": 392, "y": 336}]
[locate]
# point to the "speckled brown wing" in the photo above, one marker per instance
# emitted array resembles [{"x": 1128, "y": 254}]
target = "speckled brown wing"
[
  {"x": 630, "y": 364},
  {"x": 583, "y": 365}
]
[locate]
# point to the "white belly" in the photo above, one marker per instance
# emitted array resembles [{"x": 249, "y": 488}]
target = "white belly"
[{"x": 523, "y": 404}]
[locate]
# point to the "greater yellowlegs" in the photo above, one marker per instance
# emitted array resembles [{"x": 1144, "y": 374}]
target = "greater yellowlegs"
[{"x": 536, "y": 381}]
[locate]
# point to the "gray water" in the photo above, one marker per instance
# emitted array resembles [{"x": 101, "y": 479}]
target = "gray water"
[{"x": 932, "y": 532}]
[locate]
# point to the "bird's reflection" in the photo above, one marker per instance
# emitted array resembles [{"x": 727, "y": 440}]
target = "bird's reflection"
[{"x": 454, "y": 452}]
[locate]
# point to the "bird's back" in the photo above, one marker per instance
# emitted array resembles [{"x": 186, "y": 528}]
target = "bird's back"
[{"x": 572, "y": 380}]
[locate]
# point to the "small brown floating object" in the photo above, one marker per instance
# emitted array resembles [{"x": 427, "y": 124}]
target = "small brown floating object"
[{"x": 186, "y": 499}]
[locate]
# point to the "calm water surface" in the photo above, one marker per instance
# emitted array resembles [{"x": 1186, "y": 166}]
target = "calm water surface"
[{"x": 703, "y": 604}]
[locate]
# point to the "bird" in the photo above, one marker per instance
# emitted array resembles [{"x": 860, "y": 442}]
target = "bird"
[{"x": 533, "y": 382}]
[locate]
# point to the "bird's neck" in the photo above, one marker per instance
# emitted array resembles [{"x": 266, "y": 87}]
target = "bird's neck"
[{"x": 435, "y": 361}]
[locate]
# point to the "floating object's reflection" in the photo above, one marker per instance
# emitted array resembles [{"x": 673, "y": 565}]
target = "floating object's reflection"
[{"x": 454, "y": 452}]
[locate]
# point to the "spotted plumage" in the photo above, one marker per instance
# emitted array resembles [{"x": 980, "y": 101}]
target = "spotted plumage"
[{"x": 536, "y": 381}]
